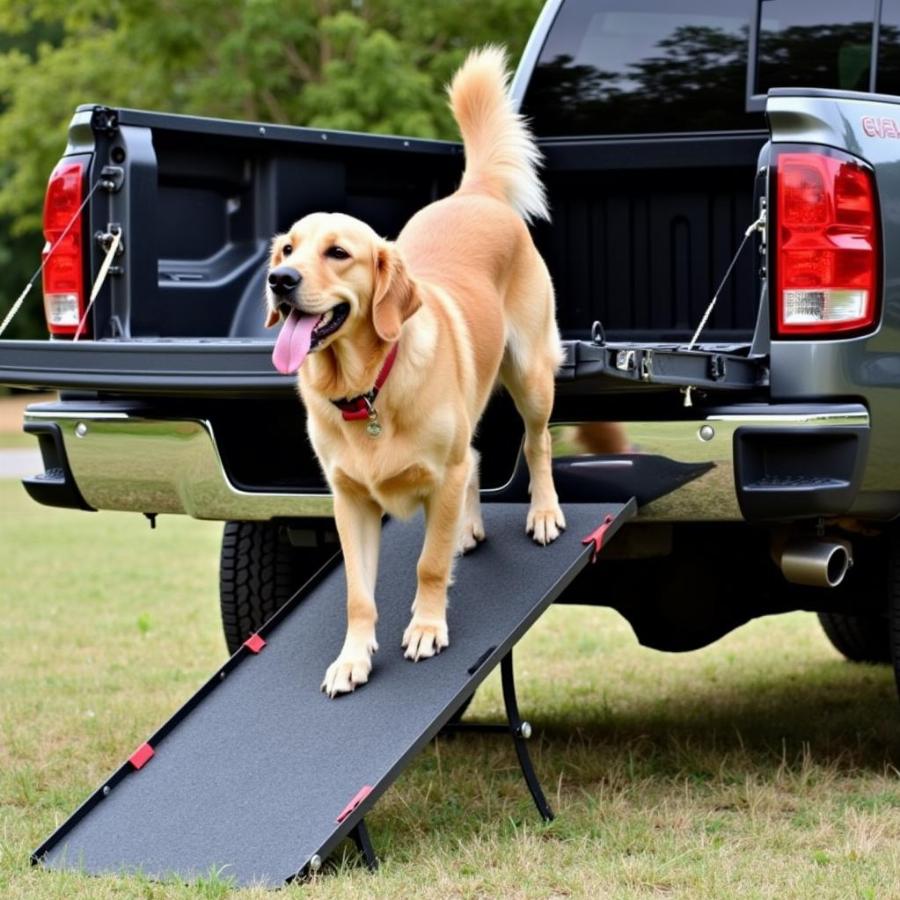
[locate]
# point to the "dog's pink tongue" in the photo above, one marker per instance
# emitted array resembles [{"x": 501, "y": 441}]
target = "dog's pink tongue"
[{"x": 293, "y": 342}]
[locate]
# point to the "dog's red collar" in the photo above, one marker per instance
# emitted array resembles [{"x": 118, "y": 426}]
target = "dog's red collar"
[{"x": 356, "y": 408}]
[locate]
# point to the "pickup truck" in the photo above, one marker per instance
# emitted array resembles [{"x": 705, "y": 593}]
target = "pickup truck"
[{"x": 762, "y": 452}]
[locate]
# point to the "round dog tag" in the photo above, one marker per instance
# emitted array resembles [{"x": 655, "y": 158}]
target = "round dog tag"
[{"x": 374, "y": 428}]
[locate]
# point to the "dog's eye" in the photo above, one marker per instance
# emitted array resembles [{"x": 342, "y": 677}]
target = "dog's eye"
[
  {"x": 336, "y": 252},
  {"x": 287, "y": 250}
]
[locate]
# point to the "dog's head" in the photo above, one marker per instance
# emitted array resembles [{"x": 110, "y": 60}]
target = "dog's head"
[{"x": 331, "y": 278}]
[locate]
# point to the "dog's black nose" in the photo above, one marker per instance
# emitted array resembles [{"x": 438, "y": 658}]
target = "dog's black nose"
[{"x": 284, "y": 280}]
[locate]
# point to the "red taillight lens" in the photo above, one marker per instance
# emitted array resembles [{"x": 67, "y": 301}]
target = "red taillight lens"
[
  {"x": 63, "y": 268},
  {"x": 826, "y": 245}
]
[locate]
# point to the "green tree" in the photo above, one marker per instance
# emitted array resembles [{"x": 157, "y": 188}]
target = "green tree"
[{"x": 366, "y": 65}]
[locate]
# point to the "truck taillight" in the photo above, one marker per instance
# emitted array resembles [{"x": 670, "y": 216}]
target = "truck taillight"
[
  {"x": 63, "y": 276},
  {"x": 826, "y": 245}
]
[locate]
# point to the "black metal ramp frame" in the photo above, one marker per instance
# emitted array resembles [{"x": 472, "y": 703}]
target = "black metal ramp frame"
[{"x": 260, "y": 776}]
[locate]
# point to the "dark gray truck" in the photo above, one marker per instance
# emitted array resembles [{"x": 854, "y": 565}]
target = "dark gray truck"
[{"x": 765, "y": 454}]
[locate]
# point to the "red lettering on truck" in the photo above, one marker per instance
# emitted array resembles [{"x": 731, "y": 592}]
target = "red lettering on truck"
[{"x": 882, "y": 127}]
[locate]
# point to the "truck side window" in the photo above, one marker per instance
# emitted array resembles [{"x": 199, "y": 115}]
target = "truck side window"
[
  {"x": 824, "y": 44},
  {"x": 889, "y": 49},
  {"x": 642, "y": 66}
]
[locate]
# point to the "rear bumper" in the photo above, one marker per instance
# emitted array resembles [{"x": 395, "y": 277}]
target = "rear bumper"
[
  {"x": 121, "y": 461},
  {"x": 752, "y": 462}
]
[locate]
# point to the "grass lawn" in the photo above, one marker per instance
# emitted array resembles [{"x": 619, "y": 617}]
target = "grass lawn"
[
  {"x": 763, "y": 766},
  {"x": 17, "y": 441}
]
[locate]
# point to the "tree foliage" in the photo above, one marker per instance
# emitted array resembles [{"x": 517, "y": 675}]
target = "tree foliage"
[{"x": 365, "y": 65}]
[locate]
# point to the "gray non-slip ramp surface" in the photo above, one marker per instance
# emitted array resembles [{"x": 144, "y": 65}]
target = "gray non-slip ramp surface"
[{"x": 251, "y": 780}]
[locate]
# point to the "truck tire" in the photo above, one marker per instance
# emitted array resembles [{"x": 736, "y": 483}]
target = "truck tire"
[
  {"x": 864, "y": 639},
  {"x": 259, "y": 571}
]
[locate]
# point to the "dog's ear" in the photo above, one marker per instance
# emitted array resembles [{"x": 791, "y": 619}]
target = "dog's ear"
[
  {"x": 396, "y": 295},
  {"x": 272, "y": 317}
]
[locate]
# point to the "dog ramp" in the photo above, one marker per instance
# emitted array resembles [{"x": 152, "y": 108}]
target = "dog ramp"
[{"x": 260, "y": 776}]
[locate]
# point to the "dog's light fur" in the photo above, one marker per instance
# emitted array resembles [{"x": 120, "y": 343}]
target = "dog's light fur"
[{"x": 470, "y": 301}]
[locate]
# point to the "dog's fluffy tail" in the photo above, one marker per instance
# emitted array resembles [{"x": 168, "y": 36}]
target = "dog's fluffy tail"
[{"x": 501, "y": 156}]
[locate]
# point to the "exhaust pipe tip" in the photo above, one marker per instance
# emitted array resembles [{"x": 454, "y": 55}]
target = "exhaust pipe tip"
[{"x": 816, "y": 563}]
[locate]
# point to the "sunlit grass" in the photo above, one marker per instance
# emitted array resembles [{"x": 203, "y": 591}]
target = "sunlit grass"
[{"x": 17, "y": 441}]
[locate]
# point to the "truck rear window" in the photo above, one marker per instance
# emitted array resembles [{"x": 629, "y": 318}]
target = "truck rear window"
[
  {"x": 641, "y": 67},
  {"x": 825, "y": 44},
  {"x": 889, "y": 48}
]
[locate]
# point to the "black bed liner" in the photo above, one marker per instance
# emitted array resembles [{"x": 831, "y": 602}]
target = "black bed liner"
[
  {"x": 255, "y": 775},
  {"x": 244, "y": 366}
]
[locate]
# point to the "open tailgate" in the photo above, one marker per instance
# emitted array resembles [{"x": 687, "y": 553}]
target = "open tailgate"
[{"x": 244, "y": 366}]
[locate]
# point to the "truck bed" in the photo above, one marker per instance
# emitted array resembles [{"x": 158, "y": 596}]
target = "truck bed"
[
  {"x": 643, "y": 227},
  {"x": 643, "y": 230}
]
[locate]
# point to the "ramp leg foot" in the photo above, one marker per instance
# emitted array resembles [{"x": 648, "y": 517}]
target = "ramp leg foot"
[
  {"x": 360, "y": 835},
  {"x": 521, "y": 731}
]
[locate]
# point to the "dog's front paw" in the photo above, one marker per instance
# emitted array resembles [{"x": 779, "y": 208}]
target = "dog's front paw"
[
  {"x": 470, "y": 535},
  {"x": 545, "y": 525},
  {"x": 424, "y": 638},
  {"x": 349, "y": 670}
]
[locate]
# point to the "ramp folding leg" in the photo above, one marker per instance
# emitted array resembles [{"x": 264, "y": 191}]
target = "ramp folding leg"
[
  {"x": 520, "y": 731},
  {"x": 360, "y": 835},
  {"x": 260, "y": 776}
]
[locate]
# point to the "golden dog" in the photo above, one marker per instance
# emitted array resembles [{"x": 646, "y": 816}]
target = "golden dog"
[{"x": 460, "y": 301}]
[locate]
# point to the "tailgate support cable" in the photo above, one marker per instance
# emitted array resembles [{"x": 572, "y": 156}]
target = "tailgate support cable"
[
  {"x": 14, "y": 309},
  {"x": 98, "y": 281},
  {"x": 760, "y": 223}
]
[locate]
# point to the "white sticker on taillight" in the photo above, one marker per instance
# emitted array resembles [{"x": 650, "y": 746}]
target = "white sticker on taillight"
[
  {"x": 61, "y": 309},
  {"x": 812, "y": 307}
]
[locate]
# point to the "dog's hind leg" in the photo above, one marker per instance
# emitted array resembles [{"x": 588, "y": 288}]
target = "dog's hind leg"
[
  {"x": 426, "y": 633},
  {"x": 531, "y": 386},
  {"x": 358, "y": 521},
  {"x": 471, "y": 530}
]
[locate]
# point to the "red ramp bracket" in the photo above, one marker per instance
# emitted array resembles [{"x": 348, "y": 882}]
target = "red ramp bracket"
[
  {"x": 358, "y": 798},
  {"x": 254, "y": 643},
  {"x": 141, "y": 756},
  {"x": 598, "y": 536}
]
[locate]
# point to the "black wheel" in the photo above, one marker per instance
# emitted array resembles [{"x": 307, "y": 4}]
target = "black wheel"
[
  {"x": 259, "y": 571},
  {"x": 865, "y": 639}
]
